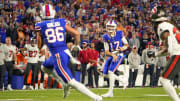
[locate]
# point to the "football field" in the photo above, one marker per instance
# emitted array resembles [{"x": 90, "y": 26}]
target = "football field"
[{"x": 131, "y": 94}]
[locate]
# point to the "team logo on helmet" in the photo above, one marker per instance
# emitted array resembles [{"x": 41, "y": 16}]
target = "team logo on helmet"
[{"x": 47, "y": 11}]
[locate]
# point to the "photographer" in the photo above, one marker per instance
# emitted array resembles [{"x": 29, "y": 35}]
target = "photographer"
[{"x": 149, "y": 63}]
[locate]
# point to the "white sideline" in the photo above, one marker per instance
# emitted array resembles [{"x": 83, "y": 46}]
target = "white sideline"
[{"x": 155, "y": 95}]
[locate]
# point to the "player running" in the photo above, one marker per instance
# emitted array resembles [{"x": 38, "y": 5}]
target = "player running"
[
  {"x": 114, "y": 43},
  {"x": 53, "y": 33},
  {"x": 170, "y": 37}
]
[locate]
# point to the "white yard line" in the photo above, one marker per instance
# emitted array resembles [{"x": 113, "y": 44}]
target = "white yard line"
[
  {"x": 19, "y": 99},
  {"x": 155, "y": 95}
]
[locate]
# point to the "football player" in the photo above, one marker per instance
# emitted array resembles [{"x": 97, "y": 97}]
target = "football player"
[
  {"x": 170, "y": 37},
  {"x": 114, "y": 43},
  {"x": 32, "y": 62},
  {"x": 10, "y": 59},
  {"x": 52, "y": 31}
]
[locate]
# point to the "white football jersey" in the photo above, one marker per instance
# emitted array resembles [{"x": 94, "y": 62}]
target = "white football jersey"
[
  {"x": 173, "y": 45},
  {"x": 32, "y": 53},
  {"x": 10, "y": 51},
  {"x": 2, "y": 53},
  {"x": 42, "y": 58}
]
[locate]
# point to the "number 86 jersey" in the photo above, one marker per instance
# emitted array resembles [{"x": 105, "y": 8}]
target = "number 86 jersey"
[{"x": 53, "y": 34}]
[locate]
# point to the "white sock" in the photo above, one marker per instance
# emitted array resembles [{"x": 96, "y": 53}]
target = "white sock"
[
  {"x": 111, "y": 81},
  {"x": 80, "y": 87},
  {"x": 9, "y": 85},
  {"x": 168, "y": 87},
  {"x": 36, "y": 86},
  {"x": 41, "y": 85},
  {"x": 106, "y": 75},
  {"x": 67, "y": 51}
]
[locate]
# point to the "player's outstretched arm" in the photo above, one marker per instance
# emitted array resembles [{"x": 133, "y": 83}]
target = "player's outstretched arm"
[
  {"x": 163, "y": 52},
  {"x": 75, "y": 32}
]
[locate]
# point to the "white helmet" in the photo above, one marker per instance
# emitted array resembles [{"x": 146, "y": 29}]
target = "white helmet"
[
  {"x": 47, "y": 11},
  {"x": 111, "y": 24}
]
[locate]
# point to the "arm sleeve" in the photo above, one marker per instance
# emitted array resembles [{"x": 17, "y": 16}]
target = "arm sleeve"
[
  {"x": 37, "y": 27},
  {"x": 106, "y": 46},
  {"x": 143, "y": 56},
  {"x": 124, "y": 40},
  {"x": 169, "y": 44}
]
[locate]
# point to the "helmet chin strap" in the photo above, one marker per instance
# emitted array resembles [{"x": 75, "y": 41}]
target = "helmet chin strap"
[{"x": 113, "y": 34}]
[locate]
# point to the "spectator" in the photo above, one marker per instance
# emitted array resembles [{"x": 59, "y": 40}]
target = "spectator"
[
  {"x": 149, "y": 63},
  {"x": 83, "y": 58},
  {"x": 21, "y": 35},
  {"x": 31, "y": 9},
  {"x": 12, "y": 33},
  {"x": 134, "y": 61},
  {"x": 10, "y": 60},
  {"x": 2, "y": 33},
  {"x": 4, "y": 23},
  {"x": 21, "y": 16},
  {"x": 151, "y": 39},
  {"x": 134, "y": 41},
  {"x": 2, "y": 66},
  {"x": 92, "y": 57},
  {"x": 143, "y": 42}
]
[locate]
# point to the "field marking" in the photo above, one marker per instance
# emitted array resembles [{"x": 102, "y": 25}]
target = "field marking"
[
  {"x": 155, "y": 95},
  {"x": 19, "y": 99},
  {"x": 62, "y": 89}
]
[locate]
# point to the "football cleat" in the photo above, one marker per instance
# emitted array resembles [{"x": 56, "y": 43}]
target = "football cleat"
[{"x": 66, "y": 91}]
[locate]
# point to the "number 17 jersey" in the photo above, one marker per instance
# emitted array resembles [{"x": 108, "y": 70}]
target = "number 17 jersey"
[{"x": 53, "y": 34}]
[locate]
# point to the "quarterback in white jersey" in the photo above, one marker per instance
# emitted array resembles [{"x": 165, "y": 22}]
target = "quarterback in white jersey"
[
  {"x": 32, "y": 62},
  {"x": 10, "y": 57},
  {"x": 170, "y": 37}
]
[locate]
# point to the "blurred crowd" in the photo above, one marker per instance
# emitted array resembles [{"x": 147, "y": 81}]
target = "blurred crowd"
[{"x": 89, "y": 17}]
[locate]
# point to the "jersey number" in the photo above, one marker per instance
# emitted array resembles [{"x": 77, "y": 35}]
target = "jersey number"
[
  {"x": 33, "y": 53},
  {"x": 10, "y": 53},
  {"x": 54, "y": 35},
  {"x": 116, "y": 43}
]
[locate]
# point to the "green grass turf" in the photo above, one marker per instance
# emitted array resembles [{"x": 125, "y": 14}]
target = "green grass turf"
[{"x": 131, "y": 94}]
